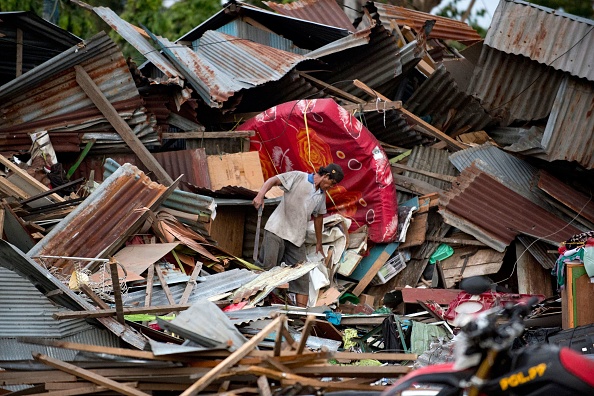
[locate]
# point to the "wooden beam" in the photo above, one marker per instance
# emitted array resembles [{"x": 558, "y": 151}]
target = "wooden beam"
[
  {"x": 437, "y": 176},
  {"x": 101, "y": 313},
  {"x": 263, "y": 386},
  {"x": 332, "y": 88},
  {"x": 432, "y": 131},
  {"x": 164, "y": 285},
  {"x": 373, "y": 106},
  {"x": 36, "y": 184},
  {"x": 19, "y": 52},
  {"x": 378, "y": 356},
  {"x": 235, "y": 357},
  {"x": 309, "y": 322},
  {"x": 150, "y": 278},
  {"x": 117, "y": 292},
  {"x": 375, "y": 267},
  {"x": 207, "y": 135},
  {"x": 370, "y": 91},
  {"x": 88, "y": 375},
  {"x": 191, "y": 283},
  {"x": 123, "y": 129}
]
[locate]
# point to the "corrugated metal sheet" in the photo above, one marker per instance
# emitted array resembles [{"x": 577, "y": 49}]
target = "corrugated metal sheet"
[
  {"x": 179, "y": 200},
  {"x": 476, "y": 199},
  {"x": 539, "y": 250},
  {"x": 316, "y": 36},
  {"x": 224, "y": 65},
  {"x": 391, "y": 127},
  {"x": 41, "y": 41},
  {"x": 25, "y": 312},
  {"x": 247, "y": 315},
  {"x": 13, "y": 259},
  {"x": 327, "y": 12},
  {"x": 213, "y": 285},
  {"x": 383, "y": 74},
  {"x": 189, "y": 163},
  {"x": 519, "y": 140},
  {"x": 513, "y": 87},
  {"x": 439, "y": 95},
  {"x": 445, "y": 28},
  {"x": 101, "y": 219},
  {"x": 243, "y": 29},
  {"x": 548, "y": 36},
  {"x": 133, "y": 36},
  {"x": 432, "y": 160},
  {"x": 11, "y": 349},
  {"x": 50, "y": 98},
  {"x": 569, "y": 134},
  {"x": 573, "y": 199}
]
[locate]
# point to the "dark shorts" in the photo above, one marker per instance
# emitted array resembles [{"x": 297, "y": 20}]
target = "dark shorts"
[{"x": 276, "y": 250}]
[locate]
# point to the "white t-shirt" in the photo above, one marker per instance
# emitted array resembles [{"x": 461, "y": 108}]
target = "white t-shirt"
[{"x": 300, "y": 201}]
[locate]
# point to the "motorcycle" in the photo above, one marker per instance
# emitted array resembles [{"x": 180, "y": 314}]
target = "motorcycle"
[{"x": 485, "y": 364}]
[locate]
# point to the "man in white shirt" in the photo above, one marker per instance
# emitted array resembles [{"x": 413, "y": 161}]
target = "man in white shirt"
[{"x": 284, "y": 234}]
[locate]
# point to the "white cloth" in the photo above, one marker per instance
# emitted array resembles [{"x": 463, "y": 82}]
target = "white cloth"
[{"x": 300, "y": 201}]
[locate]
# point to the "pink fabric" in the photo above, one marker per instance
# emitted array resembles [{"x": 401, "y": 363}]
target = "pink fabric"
[{"x": 287, "y": 141}]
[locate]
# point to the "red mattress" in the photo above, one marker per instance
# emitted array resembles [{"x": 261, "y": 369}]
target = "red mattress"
[{"x": 307, "y": 134}]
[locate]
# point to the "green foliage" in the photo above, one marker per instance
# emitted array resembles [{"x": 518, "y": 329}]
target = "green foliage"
[{"x": 576, "y": 7}]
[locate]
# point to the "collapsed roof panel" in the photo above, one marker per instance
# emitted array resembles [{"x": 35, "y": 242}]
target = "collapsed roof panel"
[
  {"x": 548, "y": 36},
  {"x": 136, "y": 37},
  {"x": 317, "y": 35},
  {"x": 445, "y": 28},
  {"x": 41, "y": 40},
  {"x": 569, "y": 134},
  {"x": 224, "y": 65},
  {"x": 432, "y": 160},
  {"x": 507, "y": 86},
  {"x": 101, "y": 220},
  {"x": 327, "y": 12},
  {"x": 13, "y": 259},
  {"x": 439, "y": 96},
  {"x": 476, "y": 199},
  {"x": 49, "y": 98}
]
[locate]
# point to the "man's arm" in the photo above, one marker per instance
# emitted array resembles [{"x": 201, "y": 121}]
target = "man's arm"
[
  {"x": 318, "y": 224},
  {"x": 268, "y": 184}
]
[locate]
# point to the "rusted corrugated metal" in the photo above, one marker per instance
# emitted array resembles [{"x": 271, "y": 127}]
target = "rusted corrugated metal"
[
  {"x": 13, "y": 259},
  {"x": 38, "y": 37},
  {"x": 439, "y": 95},
  {"x": 548, "y": 36},
  {"x": 476, "y": 199},
  {"x": 133, "y": 35},
  {"x": 573, "y": 199},
  {"x": 224, "y": 65},
  {"x": 513, "y": 87},
  {"x": 50, "y": 98},
  {"x": 539, "y": 250},
  {"x": 101, "y": 219},
  {"x": 189, "y": 163},
  {"x": 391, "y": 127},
  {"x": 569, "y": 134},
  {"x": 445, "y": 28},
  {"x": 431, "y": 160},
  {"x": 304, "y": 34},
  {"x": 390, "y": 64},
  {"x": 327, "y": 12}
]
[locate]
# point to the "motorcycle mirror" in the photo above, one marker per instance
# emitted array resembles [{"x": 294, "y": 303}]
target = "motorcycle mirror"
[{"x": 476, "y": 284}]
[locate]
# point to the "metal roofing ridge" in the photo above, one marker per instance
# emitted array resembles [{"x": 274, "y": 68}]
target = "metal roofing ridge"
[
  {"x": 40, "y": 21},
  {"x": 318, "y": 9},
  {"x": 549, "y": 11},
  {"x": 362, "y": 37},
  {"x": 75, "y": 55}
]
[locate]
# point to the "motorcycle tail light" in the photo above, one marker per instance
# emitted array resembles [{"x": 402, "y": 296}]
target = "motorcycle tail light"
[{"x": 578, "y": 365}]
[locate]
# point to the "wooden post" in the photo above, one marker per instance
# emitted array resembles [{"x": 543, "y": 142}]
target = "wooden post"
[
  {"x": 117, "y": 293},
  {"x": 19, "y": 52}
]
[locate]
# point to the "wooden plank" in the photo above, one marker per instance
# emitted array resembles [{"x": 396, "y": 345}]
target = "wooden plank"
[
  {"x": 150, "y": 279},
  {"x": 2, "y": 221},
  {"x": 101, "y": 313},
  {"x": 456, "y": 241},
  {"x": 34, "y": 377},
  {"x": 88, "y": 375},
  {"x": 375, "y": 267},
  {"x": 191, "y": 283},
  {"x": 123, "y": 129},
  {"x": 417, "y": 230},
  {"x": 534, "y": 279},
  {"x": 263, "y": 386},
  {"x": 437, "y": 176},
  {"x": 332, "y": 88},
  {"x": 164, "y": 285},
  {"x": 19, "y": 52},
  {"x": 117, "y": 292},
  {"x": 94, "y": 297},
  {"x": 416, "y": 186},
  {"x": 352, "y": 371},
  {"x": 10, "y": 189},
  {"x": 207, "y": 135},
  {"x": 235, "y": 357},
  {"x": 228, "y": 228},
  {"x": 378, "y": 356},
  {"x": 309, "y": 322},
  {"x": 432, "y": 131},
  {"x": 30, "y": 180},
  {"x": 276, "y": 364}
]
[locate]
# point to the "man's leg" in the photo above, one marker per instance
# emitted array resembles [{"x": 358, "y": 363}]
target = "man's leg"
[
  {"x": 271, "y": 251},
  {"x": 293, "y": 255}
]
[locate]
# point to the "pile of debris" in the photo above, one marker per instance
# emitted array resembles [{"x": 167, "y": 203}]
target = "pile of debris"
[{"x": 127, "y": 190}]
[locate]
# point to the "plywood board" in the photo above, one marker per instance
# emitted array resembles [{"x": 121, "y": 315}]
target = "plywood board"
[
  {"x": 228, "y": 228},
  {"x": 240, "y": 169},
  {"x": 417, "y": 229},
  {"x": 483, "y": 262}
]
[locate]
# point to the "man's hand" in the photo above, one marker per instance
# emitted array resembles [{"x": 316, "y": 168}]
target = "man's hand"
[
  {"x": 319, "y": 249},
  {"x": 258, "y": 201}
]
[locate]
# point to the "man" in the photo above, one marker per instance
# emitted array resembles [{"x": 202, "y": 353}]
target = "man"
[{"x": 284, "y": 234}]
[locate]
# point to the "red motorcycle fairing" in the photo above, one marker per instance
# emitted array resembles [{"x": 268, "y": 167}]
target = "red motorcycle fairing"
[
  {"x": 542, "y": 370},
  {"x": 438, "y": 374}
]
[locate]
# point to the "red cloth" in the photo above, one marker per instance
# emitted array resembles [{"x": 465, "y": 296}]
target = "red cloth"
[{"x": 286, "y": 142}]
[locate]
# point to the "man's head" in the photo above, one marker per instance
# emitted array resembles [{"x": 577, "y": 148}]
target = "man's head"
[{"x": 334, "y": 172}]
